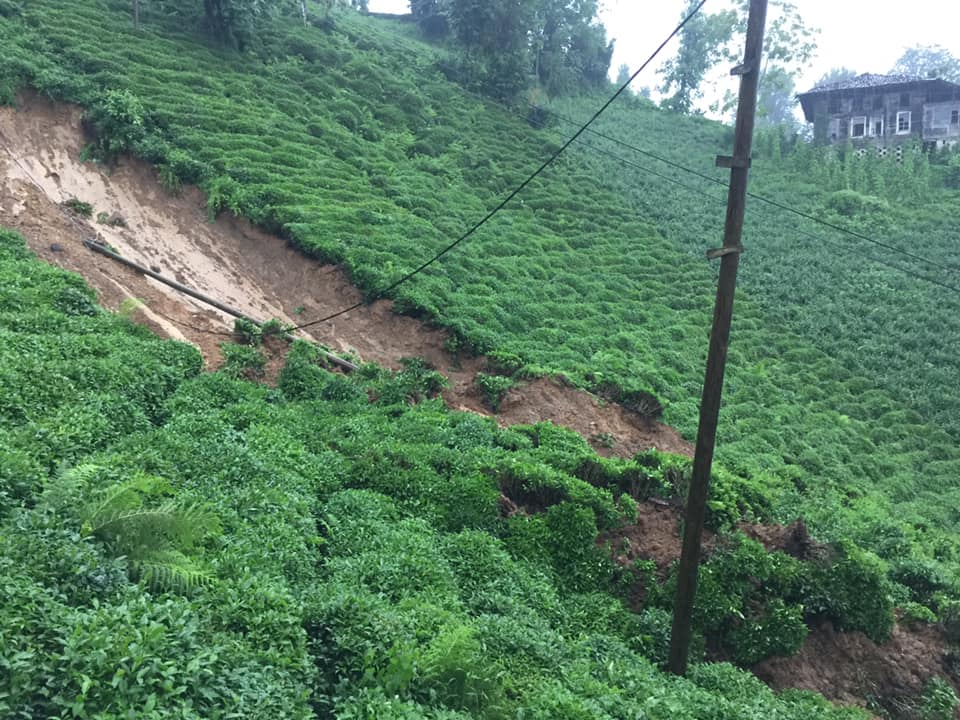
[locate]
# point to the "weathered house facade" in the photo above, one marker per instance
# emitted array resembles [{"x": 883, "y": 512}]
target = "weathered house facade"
[{"x": 884, "y": 111}]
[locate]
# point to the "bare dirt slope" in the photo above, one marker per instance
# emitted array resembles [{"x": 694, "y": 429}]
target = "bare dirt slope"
[
  {"x": 846, "y": 667},
  {"x": 229, "y": 259},
  {"x": 259, "y": 274},
  {"x": 849, "y": 668}
]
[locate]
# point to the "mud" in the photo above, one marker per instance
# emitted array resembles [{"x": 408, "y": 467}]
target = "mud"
[
  {"x": 261, "y": 275},
  {"x": 851, "y": 669},
  {"x": 229, "y": 259}
]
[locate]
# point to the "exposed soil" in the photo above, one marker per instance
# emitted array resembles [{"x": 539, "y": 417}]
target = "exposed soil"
[
  {"x": 234, "y": 262},
  {"x": 849, "y": 668},
  {"x": 655, "y": 536},
  {"x": 262, "y": 276},
  {"x": 846, "y": 667},
  {"x": 793, "y": 539},
  {"x": 548, "y": 399}
]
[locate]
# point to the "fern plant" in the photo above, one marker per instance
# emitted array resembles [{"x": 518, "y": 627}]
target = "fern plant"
[{"x": 137, "y": 519}]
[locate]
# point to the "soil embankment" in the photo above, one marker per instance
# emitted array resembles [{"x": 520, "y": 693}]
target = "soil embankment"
[
  {"x": 261, "y": 275},
  {"x": 229, "y": 259}
]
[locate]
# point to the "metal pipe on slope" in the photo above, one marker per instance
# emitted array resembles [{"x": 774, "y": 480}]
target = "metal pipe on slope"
[{"x": 202, "y": 297}]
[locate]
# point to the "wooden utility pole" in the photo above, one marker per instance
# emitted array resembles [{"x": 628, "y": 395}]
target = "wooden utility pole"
[{"x": 729, "y": 255}]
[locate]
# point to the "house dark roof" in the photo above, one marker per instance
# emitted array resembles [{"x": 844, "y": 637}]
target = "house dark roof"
[{"x": 869, "y": 81}]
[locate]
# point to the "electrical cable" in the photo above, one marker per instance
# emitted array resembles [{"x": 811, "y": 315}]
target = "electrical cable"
[
  {"x": 769, "y": 201},
  {"x": 486, "y": 218}
]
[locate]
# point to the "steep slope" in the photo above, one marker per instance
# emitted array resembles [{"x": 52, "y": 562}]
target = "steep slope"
[
  {"x": 340, "y": 551},
  {"x": 260, "y": 274},
  {"x": 348, "y": 141}
]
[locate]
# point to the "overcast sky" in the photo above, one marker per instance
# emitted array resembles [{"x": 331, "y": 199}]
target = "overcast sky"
[{"x": 862, "y": 35}]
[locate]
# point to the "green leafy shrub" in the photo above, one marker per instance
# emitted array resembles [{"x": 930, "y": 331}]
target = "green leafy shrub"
[
  {"x": 72, "y": 301},
  {"x": 134, "y": 520},
  {"x": 949, "y": 617},
  {"x": 952, "y": 177},
  {"x": 407, "y": 594},
  {"x": 242, "y": 361},
  {"x": 913, "y": 613},
  {"x": 938, "y": 700},
  {"x": 779, "y": 629},
  {"x": 749, "y": 601},
  {"x": 924, "y": 579},
  {"x": 854, "y": 592},
  {"x": 501, "y": 362},
  {"x": 455, "y": 671},
  {"x": 301, "y": 377},
  {"x": 655, "y": 626},
  {"x": 492, "y": 388},
  {"x": 117, "y": 122},
  {"x": 84, "y": 209},
  {"x": 419, "y": 380},
  {"x": 247, "y": 331},
  {"x": 571, "y": 536}
]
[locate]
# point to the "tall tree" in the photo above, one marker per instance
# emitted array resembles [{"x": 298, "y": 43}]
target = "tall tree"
[
  {"x": 431, "y": 16},
  {"x": 789, "y": 44},
  {"x": 709, "y": 39},
  {"x": 234, "y": 21},
  {"x": 775, "y": 103},
  {"x": 505, "y": 43},
  {"x": 569, "y": 45},
  {"x": 928, "y": 61},
  {"x": 703, "y": 43},
  {"x": 493, "y": 37}
]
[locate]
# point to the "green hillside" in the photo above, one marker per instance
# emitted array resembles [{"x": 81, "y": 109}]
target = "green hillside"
[
  {"x": 347, "y": 581},
  {"x": 305, "y": 552}
]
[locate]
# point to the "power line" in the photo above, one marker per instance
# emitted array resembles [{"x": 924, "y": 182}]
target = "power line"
[
  {"x": 886, "y": 263},
  {"x": 486, "y": 218},
  {"x": 802, "y": 233},
  {"x": 644, "y": 168},
  {"x": 648, "y": 170},
  {"x": 769, "y": 201},
  {"x": 852, "y": 233},
  {"x": 772, "y": 203}
]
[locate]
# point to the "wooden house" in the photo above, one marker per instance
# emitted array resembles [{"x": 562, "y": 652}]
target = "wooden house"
[{"x": 884, "y": 111}]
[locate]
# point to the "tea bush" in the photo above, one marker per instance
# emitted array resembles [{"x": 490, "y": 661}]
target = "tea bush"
[{"x": 360, "y": 565}]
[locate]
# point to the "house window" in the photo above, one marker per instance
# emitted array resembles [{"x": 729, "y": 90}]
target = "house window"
[
  {"x": 955, "y": 117},
  {"x": 876, "y": 127},
  {"x": 904, "y": 99},
  {"x": 903, "y": 122},
  {"x": 858, "y": 127}
]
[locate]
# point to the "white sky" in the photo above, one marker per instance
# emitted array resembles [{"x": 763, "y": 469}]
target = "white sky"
[{"x": 867, "y": 36}]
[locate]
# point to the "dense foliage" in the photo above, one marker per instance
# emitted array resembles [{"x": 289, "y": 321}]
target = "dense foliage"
[
  {"x": 858, "y": 347},
  {"x": 834, "y": 404},
  {"x": 349, "y": 556},
  {"x": 503, "y": 46},
  {"x": 348, "y": 139}
]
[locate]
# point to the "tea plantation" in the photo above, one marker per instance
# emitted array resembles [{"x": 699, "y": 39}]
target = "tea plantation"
[
  {"x": 187, "y": 545},
  {"x": 178, "y": 544}
]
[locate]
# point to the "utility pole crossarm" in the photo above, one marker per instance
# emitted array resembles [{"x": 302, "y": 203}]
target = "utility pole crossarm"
[{"x": 739, "y": 164}]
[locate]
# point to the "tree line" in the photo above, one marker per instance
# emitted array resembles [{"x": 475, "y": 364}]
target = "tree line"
[{"x": 504, "y": 46}]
